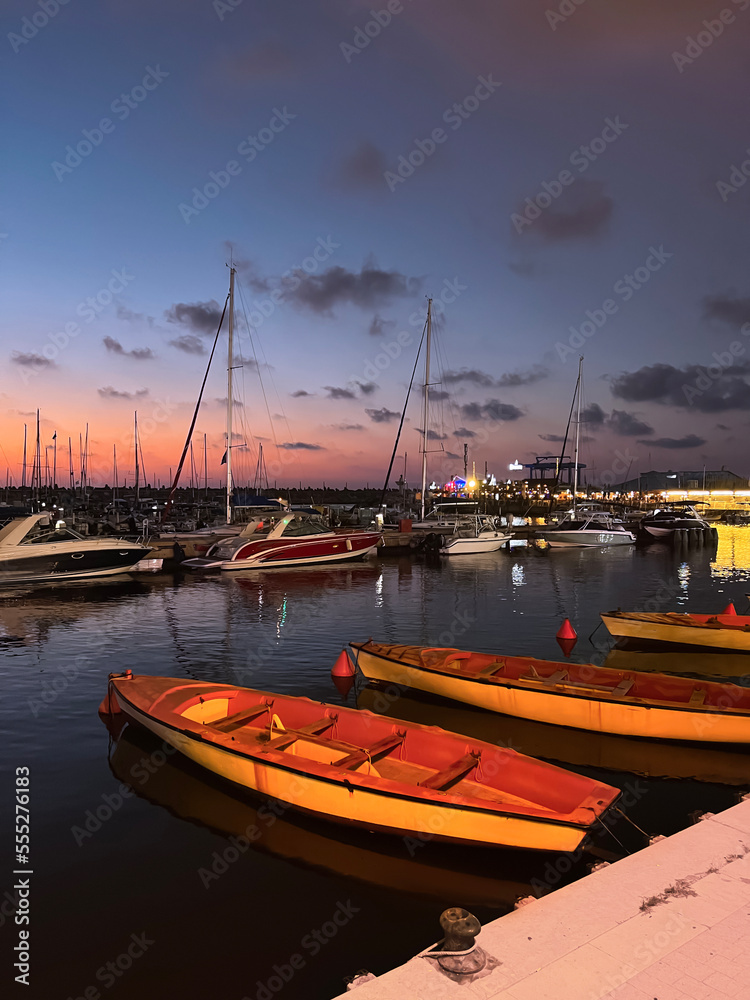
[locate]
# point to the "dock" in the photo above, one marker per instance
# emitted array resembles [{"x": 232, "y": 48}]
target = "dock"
[{"x": 670, "y": 922}]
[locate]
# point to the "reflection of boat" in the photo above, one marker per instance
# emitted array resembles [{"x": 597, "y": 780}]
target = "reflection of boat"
[
  {"x": 32, "y": 550},
  {"x": 432, "y": 870},
  {"x": 717, "y": 631},
  {"x": 365, "y": 770},
  {"x": 294, "y": 541},
  {"x": 686, "y": 662},
  {"x": 477, "y": 534},
  {"x": 654, "y": 759},
  {"x": 580, "y": 695}
]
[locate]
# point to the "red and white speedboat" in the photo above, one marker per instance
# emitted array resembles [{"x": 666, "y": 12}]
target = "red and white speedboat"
[{"x": 294, "y": 541}]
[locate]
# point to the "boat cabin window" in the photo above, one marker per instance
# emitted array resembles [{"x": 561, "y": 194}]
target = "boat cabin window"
[
  {"x": 57, "y": 535},
  {"x": 297, "y": 528}
]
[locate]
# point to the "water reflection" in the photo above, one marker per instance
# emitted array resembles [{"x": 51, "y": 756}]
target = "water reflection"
[{"x": 732, "y": 559}]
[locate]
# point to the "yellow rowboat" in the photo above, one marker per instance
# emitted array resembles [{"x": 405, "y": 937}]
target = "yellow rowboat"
[
  {"x": 717, "y": 631},
  {"x": 431, "y": 871},
  {"x": 655, "y": 706},
  {"x": 356, "y": 768}
]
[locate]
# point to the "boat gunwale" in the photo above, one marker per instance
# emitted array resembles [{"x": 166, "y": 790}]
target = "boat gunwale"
[
  {"x": 430, "y": 797},
  {"x": 533, "y": 684}
]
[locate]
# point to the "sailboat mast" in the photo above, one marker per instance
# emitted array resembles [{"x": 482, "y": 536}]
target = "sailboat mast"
[
  {"x": 426, "y": 411},
  {"x": 205, "y": 465},
  {"x": 23, "y": 471},
  {"x": 137, "y": 470},
  {"x": 38, "y": 457},
  {"x": 578, "y": 434},
  {"x": 229, "y": 394}
]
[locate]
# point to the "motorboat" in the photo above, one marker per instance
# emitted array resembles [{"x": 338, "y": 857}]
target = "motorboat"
[
  {"x": 730, "y": 631},
  {"x": 366, "y": 770},
  {"x": 593, "y": 528},
  {"x": 35, "y": 549},
  {"x": 294, "y": 541},
  {"x": 580, "y": 695},
  {"x": 481, "y": 533},
  {"x": 664, "y": 521}
]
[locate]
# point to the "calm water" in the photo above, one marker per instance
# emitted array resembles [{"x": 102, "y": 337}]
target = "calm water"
[{"x": 337, "y": 900}]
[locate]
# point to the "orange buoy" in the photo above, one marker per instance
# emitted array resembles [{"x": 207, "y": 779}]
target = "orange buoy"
[
  {"x": 566, "y": 631},
  {"x": 729, "y": 609},
  {"x": 343, "y": 667}
]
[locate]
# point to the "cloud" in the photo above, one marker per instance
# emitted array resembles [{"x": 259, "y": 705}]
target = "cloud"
[
  {"x": 364, "y": 168},
  {"x": 534, "y": 374},
  {"x": 438, "y": 395},
  {"x": 727, "y": 309},
  {"x": 627, "y": 424},
  {"x": 139, "y": 353},
  {"x": 382, "y": 416},
  {"x": 299, "y": 393},
  {"x": 367, "y": 388},
  {"x": 558, "y": 438},
  {"x": 336, "y": 392},
  {"x": 690, "y": 387},
  {"x": 472, "y": 375},
  {"x": 31, "y": 360},
  {"x": 493, "y": 409},
  {"x": 379, "y": 327},
  {"x": 128, "y": 316},
  {"x": 108, "y": 392},
  {"x": 248, "y": 269},
  {"x": 188, "y": 343},
  {"x": 434, "y": 436},
  {"x": 583, "y": 211},
  {"x": 689, "y": 441},
  {"x": 347, "y": 427},
  {"x": 593, "y": 415},
  {"x": 451, "y": 454},
  {"x": 301, "y": 446},
  {"x": 201, "y": 317},
  {"x": 464, "y": 432},
  {"x": 723, "y": 427},
  {"x": 367, "y": 288}
]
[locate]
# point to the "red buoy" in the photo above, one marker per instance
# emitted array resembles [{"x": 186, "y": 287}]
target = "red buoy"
[
  {"x": 729, "y": 609},
  {"x": 566, "y": 631},
  {"x": 343, "y": 667}
]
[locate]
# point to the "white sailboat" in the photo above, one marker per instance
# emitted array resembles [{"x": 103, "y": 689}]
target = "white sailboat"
[{"x": 594, "y": 527}]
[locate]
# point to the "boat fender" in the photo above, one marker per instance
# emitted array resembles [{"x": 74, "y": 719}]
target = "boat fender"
[{"x": 349, "y": 544}]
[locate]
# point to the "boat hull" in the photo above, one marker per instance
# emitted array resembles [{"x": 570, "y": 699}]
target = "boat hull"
[
  {"x": 470, "y": 546},
  {"x": 78, "y": 565},
  {"x": 559, "y": 707},
  {"x": 588, "y": 538},
  {"x": 289, "y": 781},
  {"x": 624, "y": 628},
  {"x": 327, "y": 550}
]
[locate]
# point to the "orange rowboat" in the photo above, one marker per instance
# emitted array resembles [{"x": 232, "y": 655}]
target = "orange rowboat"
[
  {"x": 655, "y": 706},
  {"x": 367, "y": 770},
  {"x": 718, "y": 631}
]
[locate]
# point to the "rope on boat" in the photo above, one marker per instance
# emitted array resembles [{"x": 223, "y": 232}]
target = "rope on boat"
[{"x": 632, "y": 823}]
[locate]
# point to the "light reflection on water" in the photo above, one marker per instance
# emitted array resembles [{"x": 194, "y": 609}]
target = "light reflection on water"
[{"x": 281, "y": 631}]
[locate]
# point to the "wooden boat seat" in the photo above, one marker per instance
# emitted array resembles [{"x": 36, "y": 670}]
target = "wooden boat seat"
[
  {"x": 617, "y": 692},
  {"x": 313, "y": 729},
  {"x": 378, "y": 749},
  {"x": 697, "y": 698},
  {"x": 450, "y": 775},
  {"x": 491, "y": 669},
  {"x": 240, "y": 718},
  {"x": 556, "y": 678}
]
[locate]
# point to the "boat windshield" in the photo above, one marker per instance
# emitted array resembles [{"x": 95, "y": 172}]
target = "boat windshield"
[
  {"x": 297, "y": 528},
  {"x": 57, "y": 535}
]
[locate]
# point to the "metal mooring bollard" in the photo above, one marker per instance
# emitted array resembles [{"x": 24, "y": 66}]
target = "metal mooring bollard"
[{"x": 461, "y": 928}]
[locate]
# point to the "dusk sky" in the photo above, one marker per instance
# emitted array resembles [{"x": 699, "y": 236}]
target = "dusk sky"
[{"x": 562, "y": 178}]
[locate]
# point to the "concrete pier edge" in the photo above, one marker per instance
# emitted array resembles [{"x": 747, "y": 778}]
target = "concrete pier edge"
[{"x": 671, "y": 921}]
